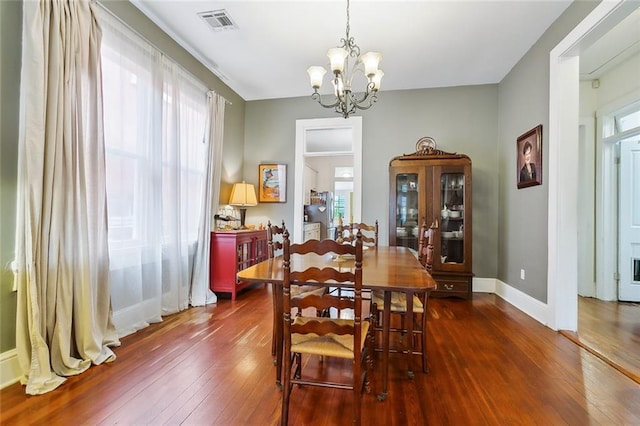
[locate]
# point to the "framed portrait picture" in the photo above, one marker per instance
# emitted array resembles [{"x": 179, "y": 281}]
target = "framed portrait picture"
[
  {"x": 529, "y": 158},
  {"x": 273, "y": 183}
]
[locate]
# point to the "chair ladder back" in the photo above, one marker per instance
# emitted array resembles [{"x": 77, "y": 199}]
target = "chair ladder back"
[
  {"x": 321, "y": 276},
  {"x": 274, "y": 245},
  {"x": 371, "y": 238}
]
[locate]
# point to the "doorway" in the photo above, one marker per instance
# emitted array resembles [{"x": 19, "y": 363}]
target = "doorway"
[
  {"x": 563, "y": 247},
  {"x": 325, "y": 138},
  {"x": 563, "y": 186},
  {"x": 629, "y": 216}
]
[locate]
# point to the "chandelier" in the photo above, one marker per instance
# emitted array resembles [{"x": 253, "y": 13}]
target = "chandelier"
[{"x": 346, "y": 62}]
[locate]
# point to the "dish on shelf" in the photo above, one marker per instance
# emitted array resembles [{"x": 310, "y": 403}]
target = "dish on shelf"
[
  {"x": 447, "y": 234},
  {"x": 455, "y": 214}
]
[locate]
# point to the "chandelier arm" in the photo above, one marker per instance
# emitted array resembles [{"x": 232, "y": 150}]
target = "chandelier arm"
[
  {"x": 318, "y": 98},
  {"x": 368, "y": 94},
  {"x": 372, "y": 100}
]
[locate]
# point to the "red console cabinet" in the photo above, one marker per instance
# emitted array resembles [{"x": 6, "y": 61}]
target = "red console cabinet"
[{"x": 233, "y": 251}]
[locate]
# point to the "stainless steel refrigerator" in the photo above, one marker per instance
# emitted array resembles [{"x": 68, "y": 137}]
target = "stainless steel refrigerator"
[{"x": 321, "y": 210}]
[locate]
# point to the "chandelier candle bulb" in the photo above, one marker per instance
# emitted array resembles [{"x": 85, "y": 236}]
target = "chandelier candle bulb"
[{"x": 338, "y": 87}]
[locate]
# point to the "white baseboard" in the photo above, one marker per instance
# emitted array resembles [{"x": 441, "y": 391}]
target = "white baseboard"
[
  {"x": 527, "y": 304},
  {"x": 9, "y": 368},
  {"x": 484, "y": 285}
]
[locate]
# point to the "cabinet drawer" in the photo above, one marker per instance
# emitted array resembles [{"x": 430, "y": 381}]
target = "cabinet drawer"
[{"x": 452, "y": 286}]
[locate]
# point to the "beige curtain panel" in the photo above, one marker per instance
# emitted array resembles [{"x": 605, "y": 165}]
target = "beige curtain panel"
[{"x": 64, "y": 313}]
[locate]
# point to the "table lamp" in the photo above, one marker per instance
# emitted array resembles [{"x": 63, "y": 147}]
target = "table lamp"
[{"x": 243, "y": 195}]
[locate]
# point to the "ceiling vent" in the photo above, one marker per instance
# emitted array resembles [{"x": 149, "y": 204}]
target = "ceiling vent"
[{"x": 218, "y": 20}]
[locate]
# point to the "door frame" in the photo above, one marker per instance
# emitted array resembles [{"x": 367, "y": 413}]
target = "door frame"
[
  {"x": 355, "y": 124},
  {"x": 562, "y": 285}
]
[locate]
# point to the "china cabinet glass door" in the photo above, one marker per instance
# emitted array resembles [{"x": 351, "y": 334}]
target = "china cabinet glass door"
[
  {"x": 452, "y": 218},
  {"x": 407, "y": 226}
]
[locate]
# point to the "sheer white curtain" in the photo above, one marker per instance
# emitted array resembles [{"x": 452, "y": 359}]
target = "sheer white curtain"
[
  {"x": 200, "y": 292},
  {"x": 155, "y": 116},
  {"x": 63, "y": 314}
]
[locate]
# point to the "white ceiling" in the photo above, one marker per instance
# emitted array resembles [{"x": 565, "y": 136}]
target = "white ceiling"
[{"x": 424, "y": 43}]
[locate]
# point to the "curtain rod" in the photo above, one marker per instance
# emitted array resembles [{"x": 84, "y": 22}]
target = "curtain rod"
[{"x": 226, "y": 101}]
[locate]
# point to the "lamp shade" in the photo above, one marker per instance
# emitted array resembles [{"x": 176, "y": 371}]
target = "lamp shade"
[
  {"x": 243, "y": 194},
  {"x": 370, "y": 61},
  {"x": 337, "y": 56},
  {"x": 377, "y": 78}
]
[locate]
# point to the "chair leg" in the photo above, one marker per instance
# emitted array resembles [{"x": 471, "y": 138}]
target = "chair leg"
[
  {"x": 425, "y": 367},
  {"x": 286, "y": 392},
  {"x": 273, "y": 328},
  {"x": 357, "y": 396}
]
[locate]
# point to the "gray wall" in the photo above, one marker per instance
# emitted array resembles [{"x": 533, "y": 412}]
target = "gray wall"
[
  {"x": 461, "y": 119},
  {"x": 10, "y": 52},
  {"x": 10, "y": 60},
  {"x": 510, "y": 225},
  {"x": 523, "y": 104}
]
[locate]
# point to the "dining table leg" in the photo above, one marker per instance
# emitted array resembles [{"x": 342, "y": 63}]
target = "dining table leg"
[{"x": 386, "y": 324}]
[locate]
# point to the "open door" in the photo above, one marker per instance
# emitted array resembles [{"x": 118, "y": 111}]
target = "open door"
[{"x": 629, "y": 221}]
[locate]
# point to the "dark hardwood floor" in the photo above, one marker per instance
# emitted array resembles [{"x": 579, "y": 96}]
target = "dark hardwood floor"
[
  {"x": 490, "y": 364},
  {"x": 611, "y": 331}
]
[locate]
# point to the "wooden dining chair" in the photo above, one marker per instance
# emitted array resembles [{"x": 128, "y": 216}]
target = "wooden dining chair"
[
  {"x": 325, "y": 336},
  {"x": 425, "y": 245},
  {"x": 369, "y": 240},
  {"x": 275, "y": 238},
  {"x": 344, "y": 233},
  {"x": 399, "y": 305},
  {"x": 274, "y": 245},
  {"x": 369, "y": 233}
]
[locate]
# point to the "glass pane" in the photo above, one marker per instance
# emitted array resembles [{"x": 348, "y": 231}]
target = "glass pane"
[
  {"x": 343, "y": 172},
  {"x": 452, "y": 214},
  {"x": 407, "y": 226},
  {"x": 329, "y": 140},
  {"x": 628, "y": 121}
]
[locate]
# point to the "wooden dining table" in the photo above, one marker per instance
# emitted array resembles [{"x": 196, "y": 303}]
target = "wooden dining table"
[{"x": 387, "y": 269}]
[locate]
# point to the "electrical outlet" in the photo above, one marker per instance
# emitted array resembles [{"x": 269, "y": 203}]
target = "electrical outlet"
[{"x": 522, "y": 274}]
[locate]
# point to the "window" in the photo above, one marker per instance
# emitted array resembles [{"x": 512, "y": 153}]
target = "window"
[
  {"x": 623, "y": 122},
  {"x": 154, "y": 119},
  {"x": 343, "y": 189}
]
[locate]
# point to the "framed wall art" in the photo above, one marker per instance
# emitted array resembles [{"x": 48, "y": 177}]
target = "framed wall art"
[
  {"x": 529, "y": 158},
  {"x": 273, "y": 183}
]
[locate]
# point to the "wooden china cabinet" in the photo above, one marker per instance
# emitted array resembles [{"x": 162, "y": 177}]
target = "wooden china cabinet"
[{"x": 434, "y": 187}]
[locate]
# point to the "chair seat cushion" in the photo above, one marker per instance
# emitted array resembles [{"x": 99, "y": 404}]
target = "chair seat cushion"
[
  {"x": 306, "y": 290},
  {"x": 398, "y": 302},
  {"x": 340, "y": 346}
]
